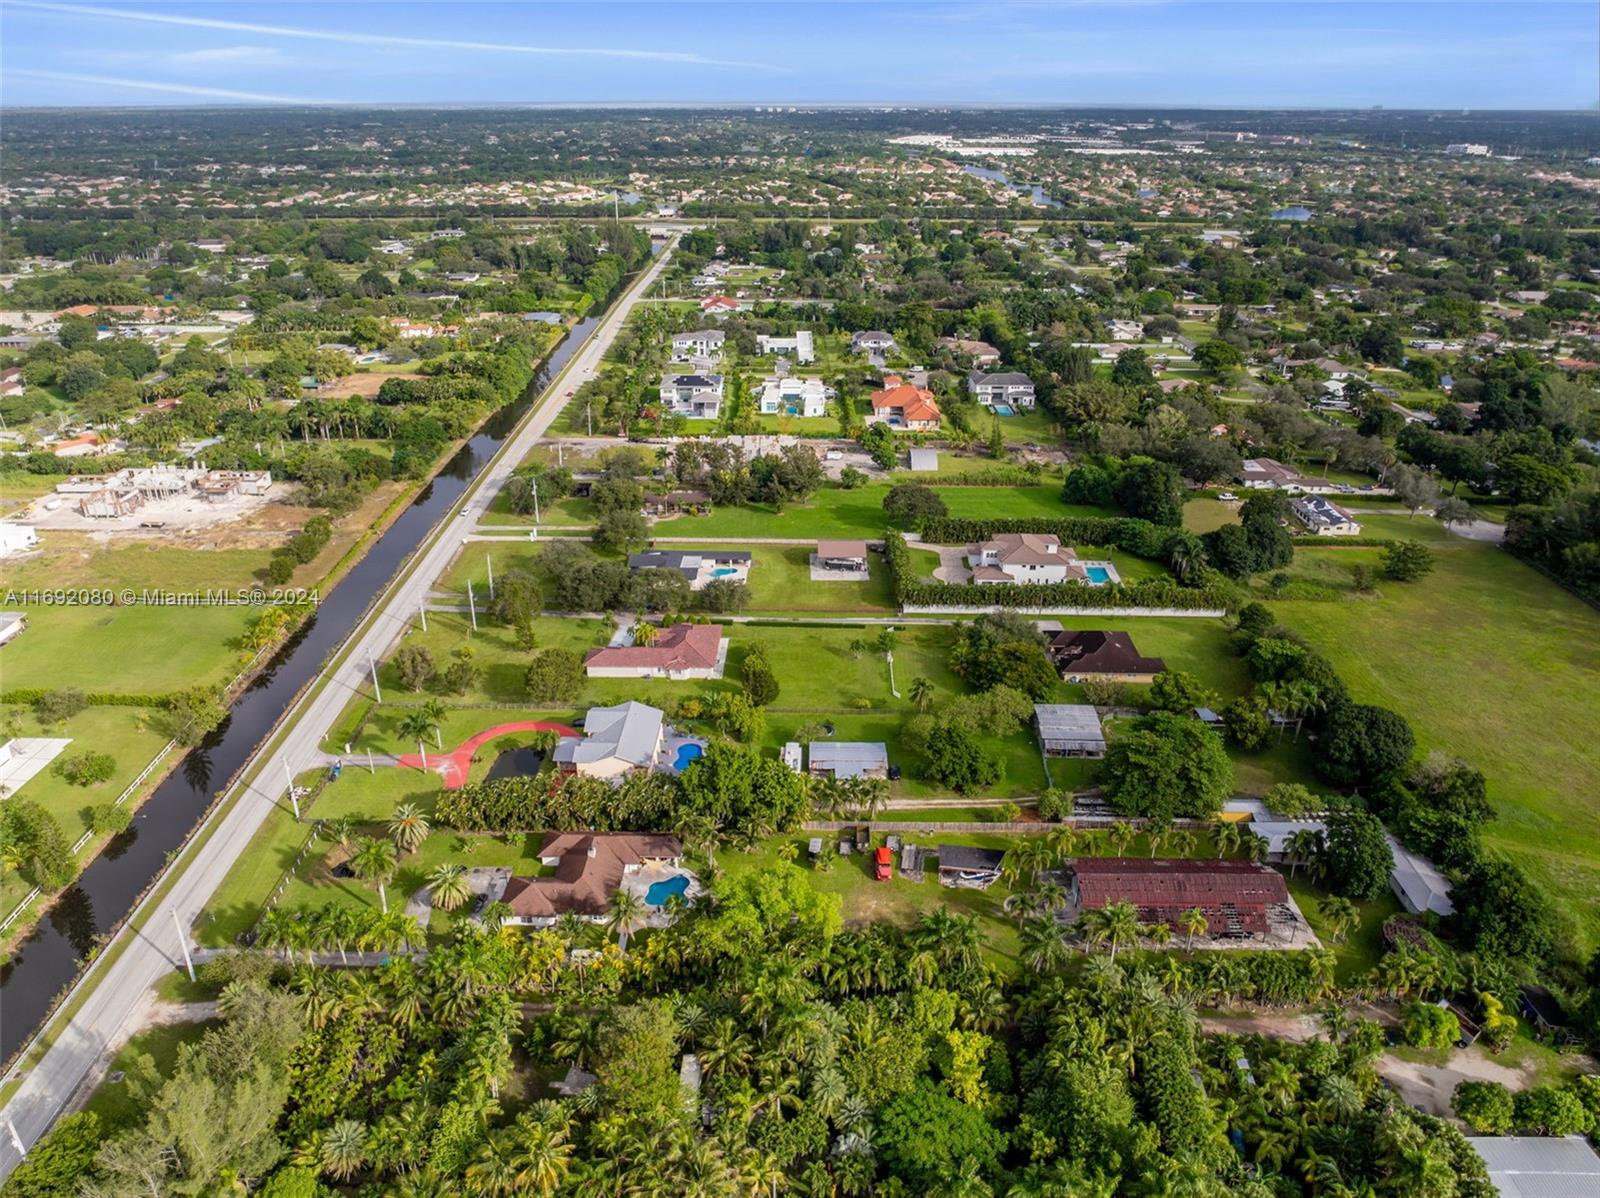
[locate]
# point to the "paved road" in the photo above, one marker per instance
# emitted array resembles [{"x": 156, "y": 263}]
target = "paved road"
[{"x": 153, "y": 951}]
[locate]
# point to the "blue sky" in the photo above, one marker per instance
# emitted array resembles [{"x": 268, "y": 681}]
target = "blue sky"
[{"x": 1522, "y": 54}]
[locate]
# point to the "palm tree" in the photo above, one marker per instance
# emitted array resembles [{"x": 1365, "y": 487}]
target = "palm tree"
[
  {"x": 544, "y": 1157},
  {"x": 1115, "y": 924},
  {"x": 921, "y": 693},
  {"x": 1301, "y": 847},
  {"x": 415, "y": 725},
  {"x": 374, "y": 861},
  {"x": 1062, "y": 841},
  {"x": 1043, "y": 950},
  {"x": 1157, "y": 833},
  {"x": 1256, "y": 847},
  {"x": 1193, "y": 922},
  {"x": 1182, "y": 842},
  {"x": 408, "y": 828},
  {"x": 344, "y": 1148},
  {"x": 626, "y": 910},
  {"x": 435, "y": 710},
  {"x": 447, "y": 886},
  {"x": 1228, "y": 835},
  {"x": 1121, "y": 835},
  {"x": 1340, "y": 916},
  {"x": 644, "y": 634},
  {"x": 493, "y": 1171}
]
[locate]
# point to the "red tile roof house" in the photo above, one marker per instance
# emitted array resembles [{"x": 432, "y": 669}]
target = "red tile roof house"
[
  {"x": 1235, "y": 896},
  {"x": 905, "y": 406},
  {"x": 589, "y": 868},
  {"x": 681, "y": 651}
]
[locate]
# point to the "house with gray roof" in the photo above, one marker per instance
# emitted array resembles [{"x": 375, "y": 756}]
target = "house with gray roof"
[
  {"x": 1539, "y": 1166},
  {"x": 1007, "y": 389},
  {"x": 1069, "y": 730},
  {"x": 615, "y": 740},
  {"x": 849, "y": 759}
]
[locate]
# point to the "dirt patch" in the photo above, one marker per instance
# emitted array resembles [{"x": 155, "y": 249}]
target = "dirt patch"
[
  {"x": 1429, "y": 1087},
  {"x": 364, "y": 385}
]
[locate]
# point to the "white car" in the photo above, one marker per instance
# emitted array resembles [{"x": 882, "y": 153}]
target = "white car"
[{"x": 1228, "y": 497}]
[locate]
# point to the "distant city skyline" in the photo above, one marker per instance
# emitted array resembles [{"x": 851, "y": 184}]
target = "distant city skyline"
[{"x": 1155, "y": 53}]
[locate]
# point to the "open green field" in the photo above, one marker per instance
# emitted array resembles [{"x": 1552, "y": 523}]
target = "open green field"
[
  {"x": 835, "y": 512},
  {"x": 122, "y": 732},
  {"x": 156, "y": 649},
  {"x": 1494, "y": 663},
  {"x": 77, "y": 560}
]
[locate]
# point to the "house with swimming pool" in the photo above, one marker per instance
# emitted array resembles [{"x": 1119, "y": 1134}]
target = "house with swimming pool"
[
  {"x": 615, "y": 740},
  {"x": 699, "y": 566},
  {"x": 1033, "y": 559},
  {"x": 588, "y": 868},
  {"x": 1003, "y": 393},
  {"x": 681, "y": 651}
]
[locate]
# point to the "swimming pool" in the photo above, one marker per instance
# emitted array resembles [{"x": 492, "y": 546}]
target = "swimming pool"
[
  {"x": 661, "y": 891},
  {"x": 1098, "y": 575},
  {"x": 724, "y": 571},
  {"x": 687, "y": 754},
  {"x": 1001, "y": 409}
]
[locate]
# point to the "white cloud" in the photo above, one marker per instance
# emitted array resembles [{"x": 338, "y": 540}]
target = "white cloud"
[
  {"x": 385, "y": 39},
  {"x": 177, "y": 89},
  {"x": 226, "y": 56}
]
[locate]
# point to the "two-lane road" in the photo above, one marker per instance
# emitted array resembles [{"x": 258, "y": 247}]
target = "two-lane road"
[{"x": 149, "y": 944}]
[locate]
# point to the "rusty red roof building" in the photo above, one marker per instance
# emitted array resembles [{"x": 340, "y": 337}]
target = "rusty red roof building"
[{"x": 1233, "y": 895}]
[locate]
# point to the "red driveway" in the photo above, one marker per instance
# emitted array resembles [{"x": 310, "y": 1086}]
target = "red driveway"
[{"x": 454, "y": 765}]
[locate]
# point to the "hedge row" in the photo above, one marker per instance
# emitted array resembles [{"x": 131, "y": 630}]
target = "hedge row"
[
  {"x": 910, "y": 591},
  {"x": 1127, "y": 533},
  {"x": 27, "y": 696},
  {"x": 995, "y": 476}
]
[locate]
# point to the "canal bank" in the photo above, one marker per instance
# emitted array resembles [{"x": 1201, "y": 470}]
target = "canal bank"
[{"x": 147, "y": 947}]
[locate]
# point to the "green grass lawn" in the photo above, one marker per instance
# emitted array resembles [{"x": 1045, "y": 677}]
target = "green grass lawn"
[
  {"x": 76, "y": 560},
  {"x": 1491, "y": 662},
  {"x": 1361, "y": 950},
  {"x": 154, "y": 649},
  {"x": 835, "y": 512},
  {"x": 123, "y": 732}
]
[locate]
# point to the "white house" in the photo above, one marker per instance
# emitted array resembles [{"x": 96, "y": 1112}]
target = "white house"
[
  {"x": 1125, "y": 330},
  {"x": 698, "y": 396},
  {"x": 872, "y": 341},
  {"x": 799, "y": 346},
  {"x": 1265, "y": 474},
  {"x": 1008, "y": 389},
  {"x": 679, "y": 652},
  {"x": 793, "y": 396},
  {"x": 1025, "y": 557},
  {"x": 1325, "y": 518},
  {"x": 702, "y": 343}
]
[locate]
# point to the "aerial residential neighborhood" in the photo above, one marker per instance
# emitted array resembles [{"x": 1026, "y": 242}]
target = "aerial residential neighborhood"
[{"x": 570, "y": 632}]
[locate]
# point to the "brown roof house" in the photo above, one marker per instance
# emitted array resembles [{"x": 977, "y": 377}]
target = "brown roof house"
[
  {"x": 1105, "y": 655},
  {"x": 589, "y": 869},
  {"x": 1236, "y": 897},
  {"x": 836, "y": 561},
  {"x": 681, "y": 651}
]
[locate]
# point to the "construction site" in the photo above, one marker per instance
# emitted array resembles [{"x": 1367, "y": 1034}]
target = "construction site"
[{"x": 152, "y": 497}]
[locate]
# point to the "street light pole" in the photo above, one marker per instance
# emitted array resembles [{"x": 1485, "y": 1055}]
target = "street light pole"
[
  {"x": 472, "y": 606},
  {"x": 183, "y": 943},
  {"x": 422, "y": 610},
  {"x": 488, "y": 561},
  {"x": 377, "y": 692}
]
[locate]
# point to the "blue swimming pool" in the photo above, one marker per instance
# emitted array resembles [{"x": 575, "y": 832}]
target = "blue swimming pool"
[
  {"x": 1001, "y": 409},
  {"x": 687, "y": 753},
  {"x": 661, "y": 891},
  {"x": 724, "y": 571},
  {"x": 1098, "y": 575}
]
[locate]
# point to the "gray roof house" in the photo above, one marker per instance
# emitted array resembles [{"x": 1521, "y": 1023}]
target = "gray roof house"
[
  {"x": 1069, "y": 730},
  {"x": 1004, "y": 389},
  {"x": 615, "y": 740},
  {"x": 702, "y": 343},
  {"x": 1539, "y": 1166},
  {"x": 849, "y": 759},
  {"x": 1417, "y": 882},
  {"x": 871, "y": 341}
]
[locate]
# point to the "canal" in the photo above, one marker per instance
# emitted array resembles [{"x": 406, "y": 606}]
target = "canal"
[{"x": 51, "y": 956}]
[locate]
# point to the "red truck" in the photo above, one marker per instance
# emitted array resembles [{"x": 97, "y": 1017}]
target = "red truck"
[{"x": 885, "y": 864}]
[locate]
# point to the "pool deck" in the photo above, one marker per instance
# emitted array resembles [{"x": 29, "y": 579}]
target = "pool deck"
[{"x": 638, "y": 884}]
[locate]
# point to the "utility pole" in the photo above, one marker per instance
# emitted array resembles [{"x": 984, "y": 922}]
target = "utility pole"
[
  {"x": 488, "y": 561},
  {"x": 472, "y": 606},
  {"x": 422, "y": 610},
  {"x": 376, "y": 692},
  {"x": 183, "y": 943},
  {"x": 16, "y": 1140},
  {"x": 371, "y": 769},
  {"x": 535, "y": 483}
]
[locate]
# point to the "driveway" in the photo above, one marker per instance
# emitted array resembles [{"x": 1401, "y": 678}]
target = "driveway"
[{"x": 952, "y": 563}]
